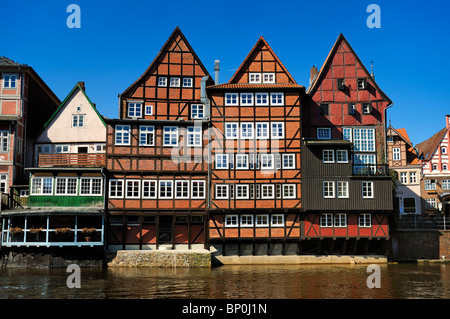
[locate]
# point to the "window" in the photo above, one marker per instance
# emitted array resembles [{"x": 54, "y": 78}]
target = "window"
[
  {"x": 409, "y": 205},
  {"x": 77, "y": 120},
  {"x": 66, "y": 186},
  {"x": 231, "y": 220},
  {"x": 412, "y": 177},
  {"x": 328, "y": 156},
  {"x": 328, "y": 189},
  {"x": 444, "y": 167},
  {"x": 197, "y": 111},
  {"x": 148, "y": 189},
  {"x": 231, "y": 98},
  {"x": 430, "y": 184},
  {"x": 342, "y": 189},
  {"x": 254, "y": 78},
  {"x": 277, "y": 220},
  {"x": 364, "y": 139},
  {"x": 434, "y": 167},
  {"x": 175, "y": 82},
  {"x": 446, "y": 184},
  {"x": 146, "y": 135},
  {"x": 276, "y": 98},
  {"x": 340, "y": 220},
  {"x": 134, "y": 109},
  {"x": 262, "y": 220},
  {"x": 198, "y": 189},
  {"x": 221, "y": 191},
  {"x": 323, "y": 133},
  {"x": 62, "y": 149},
  {"x": 262, "y": 130},
  {"x": 162, "y": 81},
  {"x": 267, "y": 191},
  {"x": 133, "y": 188},
  {"x": 246, "y": 220},
  {"x": 443, "y": 150},
  {"x": 362, "y": 84},
  {"x": 165, "y": 189},
  {"x": 91, "y": 186},
  {"x": 9, "y": 81},
  {"x": 246, "y": 99},
  {"x": 231, "y": 130},
  {"x": 289, "y": 191},
  {"x": 241, "y": 161},
  {"x": 351, "y": 108},
  {"x": 403, "y": 177},
  {"x": 367, "y": 189},
  {"x": 181, "y": 189},
  {"x": 268, "y": 77},
  {"x": 267, "y": 161},
  {"x": 347, "y": 134},
  {"x": 288, "y": 161},
  {"x": 367, "y": 108},
  {"x": 365, "y": 220},
  {"x": 277, "y": 129},
  {"x": 122, "y": 135},
  {"x": 430, "y": 203},
  {"x": 221, "y": 161},
  {"x": 194, "y": 136},
  {"x": 324, "y": 109},
  {"x": 116, "y": 188},
  {"x": 396, "y": 153},
  {"x": 242, "y": 192},
  {"x": 246, "y": 130},
  {"x": 170, "y": 136},
  {"x": 149, "y": 110},
  {"x": 342, "y": 156},
  {"x": 41, "y": 185},
  {"x": 261, "y": 99},
  {"x": 187, "y": 82},
  {"x": 4, "y": 142},
  {"x": 326, "y": 220},
  {"x": 100, "y": 148}
]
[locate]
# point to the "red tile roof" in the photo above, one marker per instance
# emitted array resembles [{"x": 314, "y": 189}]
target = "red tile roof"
[{"x": 256, "y": 86}]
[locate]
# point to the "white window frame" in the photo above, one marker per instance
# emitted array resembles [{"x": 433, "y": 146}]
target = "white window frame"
[
  {"x": 91, "y": 186},
  {"x": 231, "y": 99},
  {"x": 340, "y": 220},
  {"x": 168, "y": 189},
  {"x": 396, "y": 156},
  {"x": 242, "y": 159},
  {"x": 328, "y": 156},
  {"x": 124, "y": 132},
  {"x": 232, "y": 130},
  {"x": 403, "y": 177},
  {"x": 41, "y": 185},
  {"x": 262, "y": 130},
  {"x": 412, "y": 177},
  {"x": 430, "y": 203},
  {"x": 275, "y": 98},
  {"x": 132, "y": 186},
  {"x": 269, "y": 77},
  {"x": 247, "y": 99},
  {"x": 119, "y": 188},
  {"x": 367, "y": 189},
  {"x": 62, "y": 148},
  {"x": 149, "y": 110},
  {"x": 147, "y": 185},
  {"x": 275, "y": 132},
  {"x": 262, "y": 220},
  {"x": 364, "y": 140},
  {"x": 254, "y": 77},
  {"x": 267, "y": 159},
  {"x": 341, "y": 156},
  {"x": 182, "y": 188},
  {"x": 342, "y": 189},
  {"x": 247, "y": 130},
  {"x": 198, "y": 191},
  {"x": 197, "y": 111},
  {"x": 329, "y": 189},
  {"x": 365, "y": 220},
  {"x": 65, "y": 191},
  {"x": 326, "y": 220},
  {"x": 4, "y": 142},
  {"x": 172, "y": 132},
  {"x": 220, "y": 164},
  {"x": 175, "y": 82},
  {"x": 231, "y": 220},
  {"x": 146, "y": 131},
  {"x": 261, "y": 99},
  {"x": 76, "y": 120},
  {"x": 194, "y": 136},
  {"x": 246, "y": 220},
  {"x": 430, "y": 184},
  {"x": 277, "y": 220},
  {"x": 321, "y": 135},
  {"x": 290, "y": 160},
  {"x": 162, "y": 81},
  {"x": 7, "y": 78},
  {"x": 267, "y": 191},
  {"x": 242, "y": 191},
  {"x": 188, "y": 82},
  {"x": 288, "y": 189},
  {"x": 224, "y": 192},
  {"x": 135, "y": 109}
]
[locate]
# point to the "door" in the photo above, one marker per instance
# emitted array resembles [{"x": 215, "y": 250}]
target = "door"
[{"x": 165, "y": 229}]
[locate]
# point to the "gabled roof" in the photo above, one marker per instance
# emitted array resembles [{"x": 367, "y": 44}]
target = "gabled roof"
[
  {"x": 329, "y": 59},
  {"x": 260, "y": 41},
  {"x": 166, "y": 45},
  {"x": 428, "y": 148},
  {"x": 401, "y": 132},
  {"x": 79, "y": 86},
  {"x": 4, "y": 61}
]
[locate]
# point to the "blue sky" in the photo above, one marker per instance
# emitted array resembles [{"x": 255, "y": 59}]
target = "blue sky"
[{"x": 119, "y": 39}]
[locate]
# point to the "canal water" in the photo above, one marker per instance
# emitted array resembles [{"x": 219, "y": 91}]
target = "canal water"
[{"x": 397, "y": 281}]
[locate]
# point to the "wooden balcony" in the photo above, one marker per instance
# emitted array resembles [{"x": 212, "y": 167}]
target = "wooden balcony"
[{"x": 77, "y": 159}]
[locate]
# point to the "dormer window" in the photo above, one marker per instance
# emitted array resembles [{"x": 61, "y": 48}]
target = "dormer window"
[
  {"x": 254, "y": 78},
  {"x": 362, "y": 84}
]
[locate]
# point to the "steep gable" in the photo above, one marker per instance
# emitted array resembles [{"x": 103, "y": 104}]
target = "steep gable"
[{"x": 428, "y": 147}]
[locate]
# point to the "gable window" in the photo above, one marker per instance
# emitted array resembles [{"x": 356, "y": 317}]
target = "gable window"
[
  {"x": 367, "y": 189},
  {"x": 66, "y": 186},
  {"x": 175, "y": 82},
  {"x": 362, "y": 84},
  {"x": 328, "y": 156},
  {"x": 277, "y": 130},
  {"x": 181, "y": 189},
  {"x": 9, "y": 81},
  {"x": 276, "y": 98},
  {"x": 231, "y": 98},
  {"x": 396, "y": 153},
  {"x": 116, "y": 188},
  {"x": 434, "y": 167},
  {"x": 367, "y": 108},
  {"x": 328, "y": 189},
  {"x": 246, "y": 130},
  {"x": 146, "y": 135},
  {"x": 231, "y": 130},
  {"x": 77, "y": 120},
  {"x": 122, "y": 135},
  {"x": 134, "y": 109},
  {"x": 170, "y": 137},
  {"x": 187, "y": 82},
  {"x": 261, "y": 99},
  {"x": 162, "y": 81},
  {"x": 247, "y": 99},
  {"x": 323, "y": 133},
  {"x": 148, "y": 189},
  {"x": 197, "y": 111},
  {"x": 351, "y": 108},
  {"x": 268, "y": 77},
  {"x": 133, "y": 188},
  {"x": 254, "y": 78},
  {"x": 149, "y": 110},
  {"x": 165, "y": 189}
]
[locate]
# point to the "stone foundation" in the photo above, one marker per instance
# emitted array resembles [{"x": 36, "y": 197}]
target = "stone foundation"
[{"x": 160, "y": 258}]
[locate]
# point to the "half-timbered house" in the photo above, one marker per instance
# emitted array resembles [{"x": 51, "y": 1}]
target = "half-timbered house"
[
  {"x": 158, "y": 179},
  {"x": 255, "y": 146},
  {"x": 346, "y": 187}
]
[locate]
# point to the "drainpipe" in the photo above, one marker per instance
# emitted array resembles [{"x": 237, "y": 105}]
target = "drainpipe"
[
  {"x": 105, "y": 205},
  {"x": 216, "y": 71},
  {"x": 386, "y": 158}
]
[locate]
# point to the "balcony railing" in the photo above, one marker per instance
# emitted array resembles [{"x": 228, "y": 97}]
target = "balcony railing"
[
  {"x": 61, "y": 159},
  {"x": 370, "y": 170}
]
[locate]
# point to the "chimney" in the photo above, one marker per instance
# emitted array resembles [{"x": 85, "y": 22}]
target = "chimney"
[
  {"x": 313, "y": 75},
  {"x": 447, "y": 121},
  {"x": 81, "y": 83},
  {"x": 216, "y": 71}
]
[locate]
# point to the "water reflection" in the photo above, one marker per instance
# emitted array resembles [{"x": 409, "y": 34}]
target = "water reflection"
[{"x": 398, "y": 281}]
